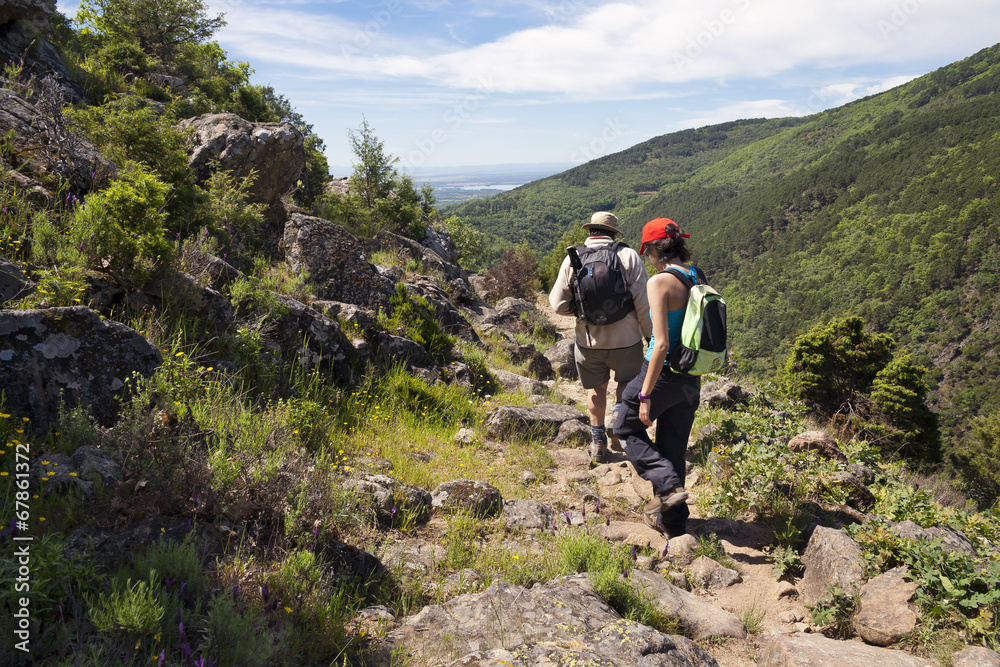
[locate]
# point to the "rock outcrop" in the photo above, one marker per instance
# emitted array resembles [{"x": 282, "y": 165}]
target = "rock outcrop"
[
  {"x": 71, "y": 355},
  {"x": 560, "y": 622},
  {"x": 544, "y": 421},
  {"x": 43, "y": 152},
  {"x": 27, "y": 37},
  {"x": 335, "y": 261},
  {"x": 272, "y": 152},
  {"x": 315, "y": 340},
  {"x": 13, "y": 282}
]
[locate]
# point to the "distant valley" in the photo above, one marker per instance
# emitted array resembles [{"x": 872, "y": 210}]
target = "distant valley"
[{"x": 453, "y": 185}]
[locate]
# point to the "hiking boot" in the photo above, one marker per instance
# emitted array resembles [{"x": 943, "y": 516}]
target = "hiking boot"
[
  {"x": 670, "y": 531},
  {"x": 598, "y": 451},
  {"x": 665, "y": 501},
  {"x": 653, "y": 521}
]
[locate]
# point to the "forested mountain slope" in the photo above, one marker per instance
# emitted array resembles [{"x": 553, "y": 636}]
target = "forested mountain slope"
[{"x": 885, "y": 207}]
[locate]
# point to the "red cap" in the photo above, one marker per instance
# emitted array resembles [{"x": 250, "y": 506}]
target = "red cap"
[{"x": 660, "y": 228}]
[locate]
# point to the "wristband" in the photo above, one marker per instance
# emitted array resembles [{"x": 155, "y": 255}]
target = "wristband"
[{"x": 643, "y": 397}]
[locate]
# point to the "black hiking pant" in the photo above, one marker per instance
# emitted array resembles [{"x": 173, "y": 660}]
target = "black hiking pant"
[{"x": 673, "y": 403}]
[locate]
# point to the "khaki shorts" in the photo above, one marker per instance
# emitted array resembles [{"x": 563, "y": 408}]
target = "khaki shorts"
[{"x": 595, "y": 366}]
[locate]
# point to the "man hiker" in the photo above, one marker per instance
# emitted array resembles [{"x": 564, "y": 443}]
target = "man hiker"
[{"x": 614, "y": 346}]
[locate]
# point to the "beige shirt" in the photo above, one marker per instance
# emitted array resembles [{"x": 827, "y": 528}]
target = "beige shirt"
[{"x": 623, "y": 333}]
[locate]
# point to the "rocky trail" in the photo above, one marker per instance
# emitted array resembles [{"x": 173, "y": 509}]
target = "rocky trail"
[
  {"x": 731, "y": 609},
  {"x": 757, "y": 595}
]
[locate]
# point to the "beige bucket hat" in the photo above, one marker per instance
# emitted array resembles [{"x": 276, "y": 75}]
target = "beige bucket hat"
[{"x": 603, "y": 220}]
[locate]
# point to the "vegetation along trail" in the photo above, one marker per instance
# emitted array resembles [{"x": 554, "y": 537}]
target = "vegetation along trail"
[{"x": 251, "y": 416}]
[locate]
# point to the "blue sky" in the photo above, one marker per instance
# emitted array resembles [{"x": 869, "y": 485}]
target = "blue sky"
[{"x": 530, "y": 81}]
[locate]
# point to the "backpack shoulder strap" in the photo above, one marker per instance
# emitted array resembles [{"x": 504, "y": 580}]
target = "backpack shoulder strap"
[{"x": 684, "y": 277}]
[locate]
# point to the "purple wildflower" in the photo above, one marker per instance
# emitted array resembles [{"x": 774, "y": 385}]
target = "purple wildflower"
[
  {"x": 635, "y": 553},
  {"x": 163, "y": 658},
  {"x": 666, "y": 548},
  {"x": 568, "y": 522},
  {"x": 607, "y": 520},
  {"x": 236, "y": 594},
  {"x": 264, "y": 594}
]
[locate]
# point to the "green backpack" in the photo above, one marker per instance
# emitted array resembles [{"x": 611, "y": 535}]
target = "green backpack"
[{"x": 702, "y": 347}]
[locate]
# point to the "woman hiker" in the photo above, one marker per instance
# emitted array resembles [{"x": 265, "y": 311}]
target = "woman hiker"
[{"x": 657, "y": 393}]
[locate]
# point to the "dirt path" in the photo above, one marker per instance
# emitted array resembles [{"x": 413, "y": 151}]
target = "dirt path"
[{"x": 756, "y": 599}]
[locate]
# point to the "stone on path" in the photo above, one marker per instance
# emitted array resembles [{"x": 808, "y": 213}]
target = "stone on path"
[
  {"x": 699, "y": 619},
  {"x": 711, "y": 574},
  {"x": 886, "y": 614},
  {"x": 830, "y": 558},
  {"x": 473, "y": 496},
  {"x": 809, "y": 650},
  {"x": 975, "y": 656}
]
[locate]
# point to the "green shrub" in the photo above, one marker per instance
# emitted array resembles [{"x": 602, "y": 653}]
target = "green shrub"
[
  {"x": 710, "y": 547},
  {"x": 469, "y": 242},
  {"x": 978, "y": 459},
  {"x": 835, "y": 611},
  {"x": 229, "y": 214},
  {"x": 316, "y": 606},
  {"x": 549, "y": 265},
  {"x": 128, "y": 129},
  {"x": 120, "y": 230},
  {"x": 784, "y": 554},
  {"x": 415, "y": 317},
  {"x": 833, "y": 365},
  {"x": 130, "y": 607},
  {"x": 124, "y": 55},
  {"x": 847, "y": 373},
  {"x": 238, "y": 635},
  {"x": 610, "y": 567},
  {"x": 177, "y": 562}
]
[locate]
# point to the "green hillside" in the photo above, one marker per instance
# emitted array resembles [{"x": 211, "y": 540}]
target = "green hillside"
[{"x": 885, "y": 208}]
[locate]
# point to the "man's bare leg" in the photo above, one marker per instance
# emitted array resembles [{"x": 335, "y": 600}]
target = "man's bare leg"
[{"x": 597, "y": 404}]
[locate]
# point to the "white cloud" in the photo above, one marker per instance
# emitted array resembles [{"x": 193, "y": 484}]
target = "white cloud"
[
  {"x": 747, "y": 109},
  {"x": 620, "y": 48}
]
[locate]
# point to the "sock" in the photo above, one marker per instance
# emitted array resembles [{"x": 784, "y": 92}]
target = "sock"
[{"x": 599, "y": 433}]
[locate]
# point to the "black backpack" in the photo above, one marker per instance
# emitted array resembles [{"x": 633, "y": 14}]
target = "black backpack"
[{"x": 600, "y": 292}]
